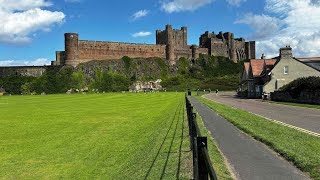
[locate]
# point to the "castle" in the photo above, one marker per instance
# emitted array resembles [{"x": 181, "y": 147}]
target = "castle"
[{"x": 171, "y": 44}]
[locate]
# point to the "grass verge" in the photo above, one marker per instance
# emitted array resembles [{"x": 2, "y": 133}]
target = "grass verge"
[
  {"x": 297, "y": 104},
  {"x": 295, "y": 146},
  {"x": 217, "y": 159}
]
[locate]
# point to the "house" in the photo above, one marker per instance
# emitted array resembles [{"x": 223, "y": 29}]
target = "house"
[
  {"x": 254, "y": 76},
  {"x": 288, "y": 69},
  {"x": 263, "y": 76}
]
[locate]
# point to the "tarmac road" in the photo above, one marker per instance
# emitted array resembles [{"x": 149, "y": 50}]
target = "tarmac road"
[
  {"x": 248, "y": 158},
  {"x": 305, "y": 118}
]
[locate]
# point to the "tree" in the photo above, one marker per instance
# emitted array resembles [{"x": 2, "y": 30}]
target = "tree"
[{"x": 78, "y": 79}]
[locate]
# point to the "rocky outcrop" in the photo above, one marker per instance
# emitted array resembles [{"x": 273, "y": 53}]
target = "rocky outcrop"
[{"x": 146, "y": 86}]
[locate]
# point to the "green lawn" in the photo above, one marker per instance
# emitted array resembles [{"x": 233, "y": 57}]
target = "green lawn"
[
  {"x": 298, "y": 104},
  {"x": 300, "y": 148},
  {"x": 104, "y": 136}
]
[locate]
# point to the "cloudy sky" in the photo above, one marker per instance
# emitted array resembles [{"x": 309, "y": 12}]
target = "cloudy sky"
[{"x": 32, "y": 30}]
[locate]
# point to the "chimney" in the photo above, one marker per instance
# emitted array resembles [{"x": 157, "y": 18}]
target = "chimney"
[{"x": 286, "y": 52}]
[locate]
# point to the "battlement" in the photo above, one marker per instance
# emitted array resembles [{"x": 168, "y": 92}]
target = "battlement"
[
  {"x": 224, "y": 44},
  {"x": 170, "y": 44}
]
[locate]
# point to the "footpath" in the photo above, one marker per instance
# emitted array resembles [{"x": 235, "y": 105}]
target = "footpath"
[{"x": 248, "y": 158}]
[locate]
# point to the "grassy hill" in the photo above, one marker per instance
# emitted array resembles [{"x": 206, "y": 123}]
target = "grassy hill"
[{"x": 117, "y": 75}]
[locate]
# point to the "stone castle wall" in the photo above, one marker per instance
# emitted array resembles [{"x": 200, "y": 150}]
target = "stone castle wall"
[
  {"x": 98, "y": 50},
  {"x": 34, "y": 71},
  {"x": 224, "y": 44},
  {"x": 170, "y": 44}
]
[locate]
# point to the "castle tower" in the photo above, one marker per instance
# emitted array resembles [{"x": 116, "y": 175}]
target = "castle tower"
[
  {"x": 232, "y": 49},
  {"x": 170, "y": 54},
  {"x": 195, "y": 53},
  {"x": 71, "y": 48},
  {"x": 184, "y": 37},
  {"x": 250, "y": 49}
]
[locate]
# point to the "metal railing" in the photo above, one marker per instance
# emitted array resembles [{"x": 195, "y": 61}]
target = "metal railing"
[{"x": 202, "y": 166}]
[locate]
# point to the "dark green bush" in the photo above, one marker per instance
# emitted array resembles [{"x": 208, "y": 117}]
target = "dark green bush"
[{"x": 295, "y": 87}]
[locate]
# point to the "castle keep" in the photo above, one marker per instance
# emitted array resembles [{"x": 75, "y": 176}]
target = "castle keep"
[{"x": 171, "y": 44}]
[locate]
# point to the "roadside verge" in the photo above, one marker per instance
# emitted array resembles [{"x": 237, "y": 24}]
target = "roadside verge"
[{"x": 295, "y": 146}]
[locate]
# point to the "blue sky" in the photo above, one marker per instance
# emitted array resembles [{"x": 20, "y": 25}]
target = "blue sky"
[{"x": 32, "y": 30}]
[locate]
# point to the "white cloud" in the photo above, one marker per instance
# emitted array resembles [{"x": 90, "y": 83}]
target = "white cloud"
[
  {"x": 183, "y": 5},
  {"x": 263, "y": 25},
  {"x": 37, "y": 62},
  {"x": 141, "y": 34},
  {"x": 139, "y": 14},
  {"x": 236, "y": 3},
  {"x": 20, "y": 19},
  {"x": 295, "y": 23}
]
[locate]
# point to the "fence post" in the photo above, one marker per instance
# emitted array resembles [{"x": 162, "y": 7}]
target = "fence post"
[
  {"x": 194, "y": 146},
  {"x": 201, "y": 165}
]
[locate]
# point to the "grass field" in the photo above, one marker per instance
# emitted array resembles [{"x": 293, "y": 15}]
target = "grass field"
[
  {"x": 300, "y": 148},
  {"x": 104, "y": 136}
]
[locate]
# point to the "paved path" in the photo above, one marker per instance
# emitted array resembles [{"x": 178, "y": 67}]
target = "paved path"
[
  {"x": 305, "y": 118},
  {"x": 250, "y": 159}
]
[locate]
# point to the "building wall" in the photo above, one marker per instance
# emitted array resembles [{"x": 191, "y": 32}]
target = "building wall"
[
  {"x": 218, "y": 48},
  {"x": 296, "y": 70},
  {"x": 250, "y": 49},
  {"x": 177, "y": 38},
  {"x": 170, "y": 44},
  {"x": 224, "y": 44},
  {"x": 95, "y": 50}
]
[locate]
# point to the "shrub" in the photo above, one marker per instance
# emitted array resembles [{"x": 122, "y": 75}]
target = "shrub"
[{"x": 295, "y": 87}]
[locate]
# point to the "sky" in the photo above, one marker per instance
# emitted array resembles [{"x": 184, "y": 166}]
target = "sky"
[{"x": 32, "y": 30}]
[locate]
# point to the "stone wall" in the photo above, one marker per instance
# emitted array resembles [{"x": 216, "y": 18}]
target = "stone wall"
[
  {"x": 174, "y": 37},
  {"x": 23, "y": 71},
  {"x": 218, "y": 48},
  {"x": 97, "y": 50},
  {"x": 171, "y": 44},
  {"x": 308, "y": 97}
]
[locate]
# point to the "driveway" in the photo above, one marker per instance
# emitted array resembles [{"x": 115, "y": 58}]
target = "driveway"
[{"x": 305, "y": 118}]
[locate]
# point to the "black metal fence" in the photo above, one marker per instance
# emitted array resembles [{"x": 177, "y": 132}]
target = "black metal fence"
[{"x": 202, "y": 167}]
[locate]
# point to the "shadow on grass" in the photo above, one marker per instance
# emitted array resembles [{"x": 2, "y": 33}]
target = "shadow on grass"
[
  {"x": 164, "y": 139},
  {"x": 181, "y": 141},
  {"x": 168, "y": 153}
]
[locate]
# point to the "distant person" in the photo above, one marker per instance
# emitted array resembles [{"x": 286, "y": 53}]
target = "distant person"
[{"x": 217, "y": 92}]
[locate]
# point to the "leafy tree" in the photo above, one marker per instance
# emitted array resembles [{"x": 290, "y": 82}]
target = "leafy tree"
[{"x": 78, "y": 79}]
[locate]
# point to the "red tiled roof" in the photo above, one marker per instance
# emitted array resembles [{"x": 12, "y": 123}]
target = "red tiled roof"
[
  {"x": 257, "y": 66},
  {"x": 270, "y": 62},
  {"x": 309, "y": 59}
]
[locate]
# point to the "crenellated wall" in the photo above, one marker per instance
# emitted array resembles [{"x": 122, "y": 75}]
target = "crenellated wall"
[
  {"x": 170, "y": 44},
  {"x": 98, "y": 50},
  {"x": 224, "y": 44}
]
